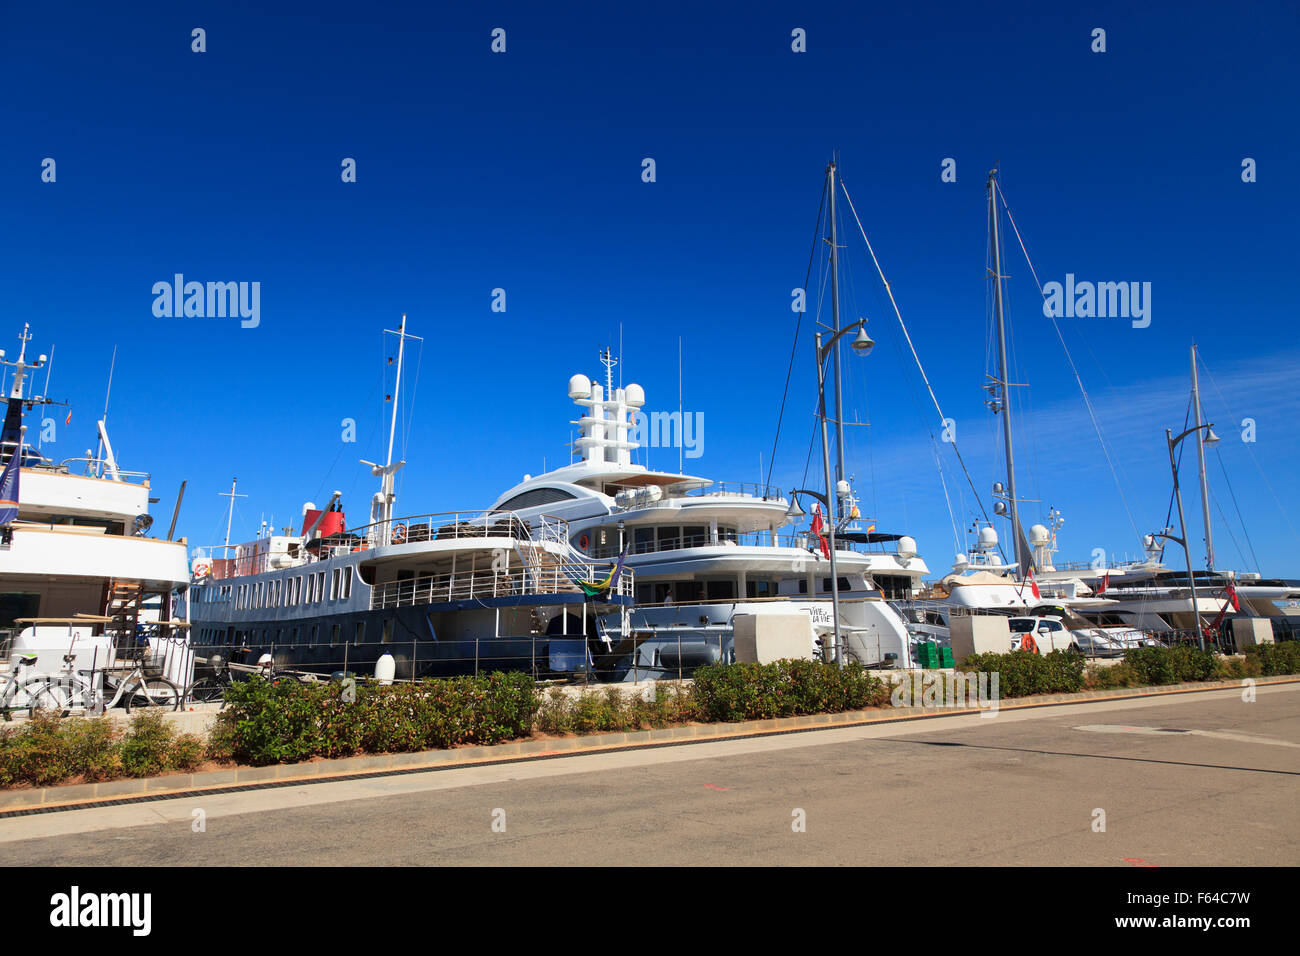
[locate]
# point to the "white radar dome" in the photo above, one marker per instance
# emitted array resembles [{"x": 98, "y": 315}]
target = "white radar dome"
[
  {"x": 579, "y": 386},
  {"x": 906, "y": 547},
  {"x": 988, "y": 539},
  {"x": 634, "y": 395},
  {"x": 1038, "y": 535}
]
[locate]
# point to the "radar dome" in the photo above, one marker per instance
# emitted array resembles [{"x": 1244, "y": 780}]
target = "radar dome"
[
  {"x": 579, "y": 386},
  {"x": 1038, "y": 535},
  {"x": 635, "y": 396},
  {"x": 988, "y": 538},
  {"x": 906, "y": 547}
]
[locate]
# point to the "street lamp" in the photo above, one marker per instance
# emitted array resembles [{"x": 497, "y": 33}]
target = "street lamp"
[
  {"x": 862, "y": 345},
  {"x": 1210, "y": 439}
]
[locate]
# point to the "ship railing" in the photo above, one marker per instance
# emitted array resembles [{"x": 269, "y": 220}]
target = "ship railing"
[
  {"x": 735, "y": 489},
  {"x": 749, "y": 539},
  {"x": 89, "y": 466},
  {"x": 483, "y": 584},
  {"x": 439, "y": 526}
]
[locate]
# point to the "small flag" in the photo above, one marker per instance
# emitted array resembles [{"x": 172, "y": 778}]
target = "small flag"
[
  {"x": 854, "y": 513},
  {"x": 1105, "y": 584},
  {"x": 871, "y": 527},
  {"x": 1034, "y": 584},
  {"x": 68, "y": 420}
]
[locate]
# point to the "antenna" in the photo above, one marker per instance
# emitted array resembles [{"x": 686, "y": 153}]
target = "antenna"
[{"x": 230, "y": 516}]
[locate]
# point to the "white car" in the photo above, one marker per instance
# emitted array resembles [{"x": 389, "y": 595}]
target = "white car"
[{"x": 1049, "y": 634}]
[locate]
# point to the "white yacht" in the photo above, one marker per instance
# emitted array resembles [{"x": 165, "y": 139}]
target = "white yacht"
[
  {"x": 421, "y": 595},
  {"x": 79, "y": 573},
  {"x": 706, "y": 552}
]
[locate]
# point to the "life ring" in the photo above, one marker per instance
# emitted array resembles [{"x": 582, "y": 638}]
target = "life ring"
[
  {"x": 584, "y": 542},
  {"x": 399, "y": 533},
  {"x": 1029, "y": 644}
]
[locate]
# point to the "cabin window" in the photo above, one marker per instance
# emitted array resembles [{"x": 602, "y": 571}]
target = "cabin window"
[
  {"x": 388, "y": 630},
  {"x": 759, "y": 589},
  {"x": 695, "y": 536},
  {"x": 721, "y": 590},
  {"x": 347, "y": 584},
  {"x": 534, "y": 498},
  {"x": 335, "y": 633},
  {"x": 670, "y": 539},
  {"x": 334, "y": 585},
  {"x": 359, "y": 635},
  {"x": 644, "y": 540},
  {"x": 843, "y": 584}
]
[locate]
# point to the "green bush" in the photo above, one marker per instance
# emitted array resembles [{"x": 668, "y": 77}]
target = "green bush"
[
  {"x": 1153, "y": 666},
  {"x": 1275, "y": 659},
  {"x": 1024, "y": 673},
  {"x": 731, "y": 692},
  {"x": 287, "y": 722}
]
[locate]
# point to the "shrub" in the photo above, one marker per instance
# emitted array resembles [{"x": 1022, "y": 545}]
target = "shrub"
[
  {"x": 286, "y": 722},
  {"x": 731, "y": 692},
  {"x": 1275, "y": 659},
  {"x": 145, "y": 748},
  {"x": 1023, "y": 673},
  {"x": 1170, "y": 665}
]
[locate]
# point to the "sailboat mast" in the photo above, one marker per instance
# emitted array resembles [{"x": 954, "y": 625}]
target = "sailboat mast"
[
  {"x": 388, "y": 481},
  {"x": 835, "y": 327},
  {"x": 1004, "y": 385},
  {"x": 1200, "y": 457}
]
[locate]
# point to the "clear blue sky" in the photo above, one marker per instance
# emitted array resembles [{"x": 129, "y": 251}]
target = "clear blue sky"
[{"x": 522, "y": 171}]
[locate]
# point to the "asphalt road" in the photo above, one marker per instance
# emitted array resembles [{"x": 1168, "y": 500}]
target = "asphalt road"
[{"x": 1200, "y": 779}]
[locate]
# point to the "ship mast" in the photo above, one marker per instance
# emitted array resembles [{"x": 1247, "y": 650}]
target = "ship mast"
[
  {"x": 1200, "y": 456},
  {"x": 832, "y": 493},
  {"x": 1002, "y": 384},
  {"x": 381, "y": 508}
]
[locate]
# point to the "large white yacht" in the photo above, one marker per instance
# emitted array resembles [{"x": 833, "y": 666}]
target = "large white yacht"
[
  {"x": 426, "y": 594},
  {"x": 706, "y": 552},
  {"x": 79, "y": 573}
]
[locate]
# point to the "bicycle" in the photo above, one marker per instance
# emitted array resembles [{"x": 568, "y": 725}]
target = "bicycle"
[
  {"x": 212, "y": 688},
  {"x": 133, "y": 688},
  {"x": 24, "y": 695}
]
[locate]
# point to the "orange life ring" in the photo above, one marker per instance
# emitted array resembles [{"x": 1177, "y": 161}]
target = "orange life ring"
[
  {"x": 399, "y": 534},
  {"x": 584, "y": 542},
  {"x": 1029, "y": 644}
]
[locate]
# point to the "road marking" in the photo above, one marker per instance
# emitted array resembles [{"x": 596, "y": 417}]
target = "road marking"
[{"x": 1237, "y": 736}]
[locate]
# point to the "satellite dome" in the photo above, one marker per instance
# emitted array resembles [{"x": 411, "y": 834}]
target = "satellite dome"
[
  {"x": 988, "y": 538},
  {"x": 1038, "y": 535},
  {"x": 579, "y": 386},
  {"x": 634, "y": 395},
  {"x": 906, "y": 547}
]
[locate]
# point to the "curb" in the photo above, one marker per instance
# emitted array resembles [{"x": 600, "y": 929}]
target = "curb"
[{"x": 117, "y": 792}]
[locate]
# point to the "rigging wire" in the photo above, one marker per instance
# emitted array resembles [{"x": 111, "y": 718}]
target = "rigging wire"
[
  {"x": 1255, "y": 460},
  {"x": 907, "y": 336},
  {"x": 812, "y": 254},
  {"x": 1073, "y": 368}
]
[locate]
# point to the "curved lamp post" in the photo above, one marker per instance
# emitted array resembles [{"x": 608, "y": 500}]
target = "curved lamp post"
[{"x": 862, "y": 345}]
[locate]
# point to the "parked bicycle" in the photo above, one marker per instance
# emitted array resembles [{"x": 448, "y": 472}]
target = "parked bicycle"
[
  {"x": 212, "y": 687},
  {"x": 22, "y": 693},
  {"x": 130, "y": 686}
]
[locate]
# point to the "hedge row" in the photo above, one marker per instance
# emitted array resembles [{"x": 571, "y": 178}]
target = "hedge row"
[
  {"x": 1022, "y": 673},
  {"x": 285, "y": 722},
  {"x": 731, "y": 692},
  {"x": 48, "y": 750}
]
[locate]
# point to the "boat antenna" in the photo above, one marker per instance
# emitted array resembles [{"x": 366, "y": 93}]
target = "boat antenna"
[{"x": 231, "y": 514}]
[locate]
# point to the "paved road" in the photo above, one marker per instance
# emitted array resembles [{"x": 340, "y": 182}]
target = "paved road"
[{"x": 1192, "y": 779}]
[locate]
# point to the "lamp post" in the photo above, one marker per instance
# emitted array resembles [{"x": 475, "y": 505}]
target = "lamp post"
[
  {"x": 1172, "y": 442},
  {"x": 862, "y": 345}
]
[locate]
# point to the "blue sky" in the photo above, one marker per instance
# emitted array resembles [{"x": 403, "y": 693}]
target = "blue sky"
[{"x": 522, "y": 171}]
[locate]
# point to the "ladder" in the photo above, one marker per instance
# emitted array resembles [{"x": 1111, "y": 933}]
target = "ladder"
[{"x": 122, "y": 606}]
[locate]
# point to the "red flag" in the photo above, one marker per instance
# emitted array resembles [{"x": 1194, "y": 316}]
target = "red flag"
[
  {"x": 1034, "y": 584},
  {"x": 1231, "y": 592},
  {"x": 817, "y": 530},
  {"x": 1105, "y": 583},
  {"x": 68, "y": 420}
]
